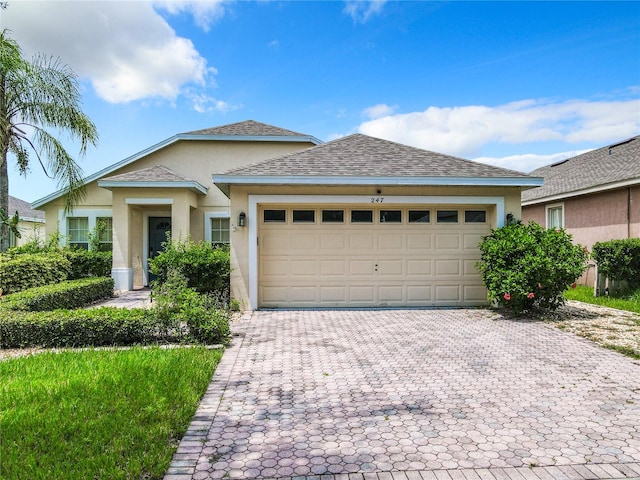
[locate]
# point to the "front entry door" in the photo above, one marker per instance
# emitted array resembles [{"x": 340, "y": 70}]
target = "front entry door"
[{"x": 158, "y": 228}]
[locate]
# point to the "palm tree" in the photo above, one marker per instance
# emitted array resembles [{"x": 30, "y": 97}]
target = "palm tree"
[{"x": 34, "y": 97}]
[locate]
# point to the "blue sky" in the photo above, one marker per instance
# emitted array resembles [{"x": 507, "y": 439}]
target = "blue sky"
[{"x": 514, "y": 84}]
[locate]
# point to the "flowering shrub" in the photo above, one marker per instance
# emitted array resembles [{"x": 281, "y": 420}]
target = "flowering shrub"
[{"x": 527, "y": 267}]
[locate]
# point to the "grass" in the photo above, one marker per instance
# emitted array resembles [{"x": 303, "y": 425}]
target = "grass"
[
  {"x": 116, "y": 414},
  {"x": 630, "y": 303}
]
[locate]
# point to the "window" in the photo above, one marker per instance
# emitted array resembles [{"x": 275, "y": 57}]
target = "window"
[
  {"x": 419, "y": 216},
  {"x": 447, "y": 216},
  {"x": 275, "y": 216},
  {"x": 220, "y": 231},
  {"x": 390, "y": 216},
  {"x": 104, "y": 229},
  {"x": 78, "y": 232},
  {"x": 555, "y": 216},
  {"x": 304, "y": 216},
  {"x": 332, "y": 216},
  {"x": 361, "y": 216},
  {"x": 475, "y": 216}
]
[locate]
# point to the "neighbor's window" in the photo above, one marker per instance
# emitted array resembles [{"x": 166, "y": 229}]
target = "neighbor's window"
[
  {"x": 78, "y": 232},
  {"x": 361, "y": 216},
  {"x": 104, "y": 226},
  {"x": 555, "y": 216},
  {"x": 275, "y": 216},
  {"x": 304, "y": 216},
  {"x": 220, "y": 231},
  {"x": 419, "y": 216},
  {"x": 332, "y": 216},
  {"x": 390, "y": 216},
  {"x": 475, "y": 216},
  {"x": 447, "y": 216}
]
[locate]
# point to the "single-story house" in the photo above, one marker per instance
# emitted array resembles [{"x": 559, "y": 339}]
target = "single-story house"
[
  {"x": 358, "y": 221},
  {"x": 31, "y": 224},
  {"x": 594, "y": 196}
]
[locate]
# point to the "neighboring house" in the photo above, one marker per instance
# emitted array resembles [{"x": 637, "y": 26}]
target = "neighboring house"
[
  {"x": 31, "y": 225},
  {"x": 359, "y": 221},
  {"x": 594, "y": 196}
]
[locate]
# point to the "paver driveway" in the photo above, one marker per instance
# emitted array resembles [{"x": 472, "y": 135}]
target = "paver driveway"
[{"x": 437, "y": 394}]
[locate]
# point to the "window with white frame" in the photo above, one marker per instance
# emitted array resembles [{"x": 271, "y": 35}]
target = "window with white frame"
[
  {"x": 104, "y": 227},
  {"x": 78, "y": 232},
  {"x": 555, "y": 216},
  {"x": 217, "y": 228}
]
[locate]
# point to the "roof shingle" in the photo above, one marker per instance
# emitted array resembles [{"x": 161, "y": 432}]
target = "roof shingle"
[
  {"x": 363, "y": 156},
  {"x": 157, "y": 173},
  {"x": 24, "y": 209},
  {"x": 607, "y": 165},
  {"x": 249, "y": 128}
]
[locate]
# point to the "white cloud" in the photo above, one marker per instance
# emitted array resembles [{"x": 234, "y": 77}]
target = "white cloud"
[
  {"x": 203, "y": 103},
  {"x": 362, "y": 10},
  {"x": 378, "y": 111},
  {"x": 204, "y": 12},
  {"x": 465, "y": 130},
  {"x": 528, "y": 161},
  {"x": 125, "y": 49}
]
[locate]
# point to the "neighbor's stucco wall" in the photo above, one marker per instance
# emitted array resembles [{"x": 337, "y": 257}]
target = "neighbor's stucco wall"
[
  {"x": 240, "y": 203},
  {"x": 30, "y": 231}
]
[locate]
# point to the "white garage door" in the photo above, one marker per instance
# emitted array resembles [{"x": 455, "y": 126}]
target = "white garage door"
[{"x": 337, "y": 256}]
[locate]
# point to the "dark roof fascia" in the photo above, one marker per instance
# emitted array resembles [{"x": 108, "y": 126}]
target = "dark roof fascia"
[
  {"x": 191, "y": 185},
  {"x": 171, "y": 140},
  {"x": 223, "y": 182},
  {"x": 584, "y": 191}
]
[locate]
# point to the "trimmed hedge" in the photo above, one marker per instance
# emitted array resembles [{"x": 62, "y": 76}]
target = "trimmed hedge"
[
  {"x": 78, "y": 328},
  {"x": 88, "y": 263},
  {"x": 21, "y": 272},
  {"x": 619, "y": 259},
  {"x": 69, "y": 294}
]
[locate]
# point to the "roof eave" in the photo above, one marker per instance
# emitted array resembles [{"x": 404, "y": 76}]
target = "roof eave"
[
  {"x": 190, "y": 185},
  {"x": 584, "y": 191},
  {"x": 181, "y": 136}
]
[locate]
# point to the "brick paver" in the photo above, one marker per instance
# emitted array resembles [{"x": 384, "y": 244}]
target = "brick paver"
[{"x": 413, "y": 395}]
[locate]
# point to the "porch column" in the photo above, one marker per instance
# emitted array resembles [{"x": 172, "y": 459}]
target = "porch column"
[
  {"x": 121, "y": 271},
  {"x": 181, "y": 215}
]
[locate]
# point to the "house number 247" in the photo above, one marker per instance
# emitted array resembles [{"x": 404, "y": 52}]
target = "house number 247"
[{"x": 377, "y": 199}]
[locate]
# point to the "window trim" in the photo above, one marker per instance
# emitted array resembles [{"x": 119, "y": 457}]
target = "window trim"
[
  {"x": 207, "y": 224},
  {"x": 91, "y": 214},
  {"x": 546, "y": 214}
]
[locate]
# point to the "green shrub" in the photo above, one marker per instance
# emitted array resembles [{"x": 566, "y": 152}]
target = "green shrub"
[
  {"x": 79, "y": 328},
  {"x": 203, "y": 317},
  {"x": 88, "y": 263},
  {"x": 20, "y": 272},
  {"x": 206, "y": 268},
  {"x": 619, "y": 260},
  {"x": 527, "y": 267},
  {"x": 68, "y": 294}
]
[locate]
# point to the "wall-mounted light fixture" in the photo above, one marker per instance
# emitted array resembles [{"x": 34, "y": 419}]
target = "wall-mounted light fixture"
[
  {"x": 242, "y": 219},
  {"x": 510, "y": 218}
]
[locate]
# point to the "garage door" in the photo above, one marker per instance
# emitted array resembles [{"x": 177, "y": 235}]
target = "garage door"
[{"x": 337, "y": 256}]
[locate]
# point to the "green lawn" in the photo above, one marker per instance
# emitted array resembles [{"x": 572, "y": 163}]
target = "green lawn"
[
  {"x": 630, "y": 303},
  {"x": 108, "y": 414}
]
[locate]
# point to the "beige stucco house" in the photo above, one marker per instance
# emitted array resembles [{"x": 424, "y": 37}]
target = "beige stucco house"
[
  {"x": 358, "y": 221},
  {"x": 594, "y": 196},
  {"x": 31, "y": 224}
]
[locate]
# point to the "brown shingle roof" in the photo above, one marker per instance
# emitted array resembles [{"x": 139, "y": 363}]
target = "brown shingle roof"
[
  {"x": 24, "y": 209},
  {"x": 363, "y": 156},
  {"x": 607, "y": 165},
  {"x": 249, "y": 128},
  {"x": 157, "y": 173}
]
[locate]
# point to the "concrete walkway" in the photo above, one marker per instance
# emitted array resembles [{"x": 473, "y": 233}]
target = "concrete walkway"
[
  {"x": 413, "y": 395},
  {"x": 138, "y": 298}
]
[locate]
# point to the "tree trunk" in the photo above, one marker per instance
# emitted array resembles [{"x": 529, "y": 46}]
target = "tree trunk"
[{"x": 4, "y": 201}]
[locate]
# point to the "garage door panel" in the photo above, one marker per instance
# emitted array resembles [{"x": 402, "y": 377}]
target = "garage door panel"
[
  {"x": 333, "y": 267},
  {"x": 448, "y": 241},
  {"x": 370, "y": 264},
  {"x": 391, "y": 267},
  {"x": 420, "y": 242},
  {"x": 420, "y": 268}
]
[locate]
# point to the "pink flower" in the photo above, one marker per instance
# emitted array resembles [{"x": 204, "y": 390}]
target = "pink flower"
[
  {"x": 507, "y": 296},
  {"x": 531, "y": 295},
  {"x": 573, "y": 285}
]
